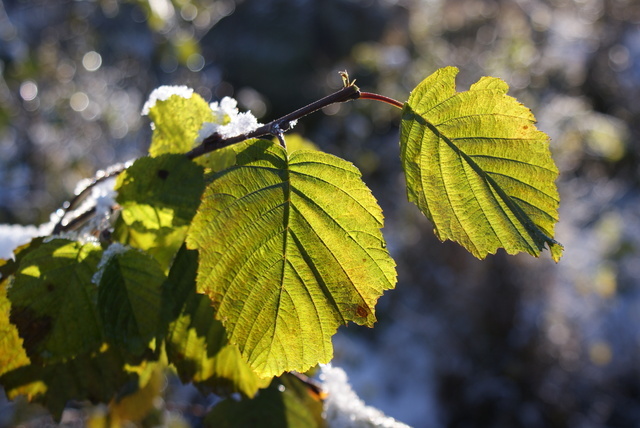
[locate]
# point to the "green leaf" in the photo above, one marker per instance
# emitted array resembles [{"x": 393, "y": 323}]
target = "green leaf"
[
  {"x": 478, "y": 168},
  {"x": 197, "y": 343},
  {"x": 286, "y": 403},
  {"x": 160, "y": 192},
  {"x": 130, "y": 299},
  {"x": 290, "y": 248},
  {"x": 53, "y": 300},
  {"x": 176, "y": 123},
  {"x": 159, "y": 197}
]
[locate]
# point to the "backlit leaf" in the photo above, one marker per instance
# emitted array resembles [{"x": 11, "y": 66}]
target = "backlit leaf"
[
  {"x": 290, "y": 248},
  {"x": 160, "y": 192},
  {"x": 478, "y": 168},
  {"x": 176, "y": 123},
  {"x": 159, "y": 197}
]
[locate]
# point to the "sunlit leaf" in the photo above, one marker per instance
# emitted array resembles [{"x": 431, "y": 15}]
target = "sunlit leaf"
[
  {"x": 160, "y": 192},
  {"x": 159, "y": 197},
  {"x": 290, "y": 248},
  {"x": 130, "y": 300},
  {"x": 176, "y": 123},
  {"x": 53, "y": 300},
  {"x": 197, "y": 343},
  {"x": 477, "y": 166}
]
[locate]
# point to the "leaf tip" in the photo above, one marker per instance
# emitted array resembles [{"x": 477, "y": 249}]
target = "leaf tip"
[{"x": 556, "y": 250}]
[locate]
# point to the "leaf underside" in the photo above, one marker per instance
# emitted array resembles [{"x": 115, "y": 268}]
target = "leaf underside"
[
  {"x": 478, "y": 168},
  {"x": 290, "y": 248}
]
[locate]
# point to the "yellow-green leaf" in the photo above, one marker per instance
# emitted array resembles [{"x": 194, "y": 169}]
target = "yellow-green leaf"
[
  {"x": 478, "y": 168},
  {"x": 159, "y": 197},
  {"x": 290, "y": 248},
  {"x": 176, "y": 123}
]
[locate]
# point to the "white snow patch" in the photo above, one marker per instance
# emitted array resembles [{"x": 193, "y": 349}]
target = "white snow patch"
[
  {"x": 14, "y": 235},
  {"x": 237, "y": 123},
  {"x": 163, "y": 93},
  {"x": 344, "y": 409},
  {"x": 112, "y": 250}
]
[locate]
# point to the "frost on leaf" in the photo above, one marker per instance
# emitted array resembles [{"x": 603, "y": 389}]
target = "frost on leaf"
[
  {"x": 478, "y": 168},
  {"x": 290, "y": 248}
]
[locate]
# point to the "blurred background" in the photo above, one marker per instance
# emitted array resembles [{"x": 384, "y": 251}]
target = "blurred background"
[{"x": 505, "y": 342}]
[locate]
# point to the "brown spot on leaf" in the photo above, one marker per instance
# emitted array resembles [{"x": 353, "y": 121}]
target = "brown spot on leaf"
[
  {"x": 163, "y": 174},
  {"x": 50, "y": 287},
  {"x": 362, "y": 311}
]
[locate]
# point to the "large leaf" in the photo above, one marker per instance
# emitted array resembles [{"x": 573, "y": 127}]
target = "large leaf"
[
  {"x": 53, "y": 301},
  {"x": 197, "y": 343},
  {"x": 290, "y": 248},
  {"x": 477, "y": 166}
]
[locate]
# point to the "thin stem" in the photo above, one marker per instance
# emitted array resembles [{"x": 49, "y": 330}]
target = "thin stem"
[{"x": 378, "y": 97}]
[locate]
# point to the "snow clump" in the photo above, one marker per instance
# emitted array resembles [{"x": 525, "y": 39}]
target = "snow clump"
[
  {"x": 344, "y": 409},
  {"x": 229, "y": 121},
  {"x": 163, "y": 93}
]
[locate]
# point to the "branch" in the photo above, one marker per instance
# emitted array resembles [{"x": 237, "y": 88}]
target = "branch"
[
  {"x": 278, "y": 126},
  {"x": 216, "y": 141},
  {"x": 62, "y": 227}
]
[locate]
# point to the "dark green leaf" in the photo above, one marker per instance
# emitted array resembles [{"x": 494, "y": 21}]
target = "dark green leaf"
[
  {"x": 130, "y": 299},
  {"x": 53, "y": 300}
]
